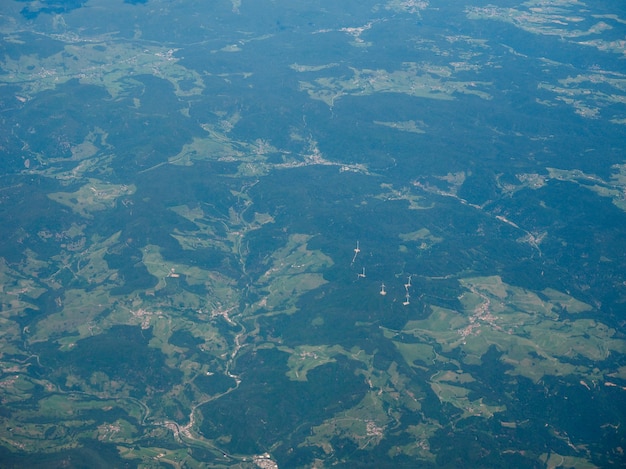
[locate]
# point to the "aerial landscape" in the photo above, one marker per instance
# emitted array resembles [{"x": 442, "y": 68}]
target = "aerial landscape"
[{"x": 291, "y": 234}]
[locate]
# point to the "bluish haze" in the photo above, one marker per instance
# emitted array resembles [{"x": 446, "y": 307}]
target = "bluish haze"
[{"x": 312, "y": 234}]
